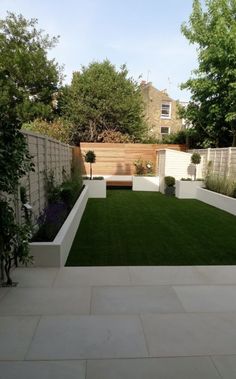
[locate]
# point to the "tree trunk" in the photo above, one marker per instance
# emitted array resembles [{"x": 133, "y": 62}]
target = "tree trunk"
[
  {"x": 7, "y": 271},
  {"x": 2, "y": 271},
  {"x": 1, "y": 262},
  {"x": 90, "y": 171},
  {"x": 234, "y": 139}
]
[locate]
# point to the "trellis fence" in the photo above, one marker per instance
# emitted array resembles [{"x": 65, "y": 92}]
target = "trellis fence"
[
  {"x": 223, "y": 160},
  {"x": 48, "y": 155}
]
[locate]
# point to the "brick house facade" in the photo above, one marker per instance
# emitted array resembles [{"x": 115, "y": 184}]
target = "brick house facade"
[{"x": 160, "y": 111}]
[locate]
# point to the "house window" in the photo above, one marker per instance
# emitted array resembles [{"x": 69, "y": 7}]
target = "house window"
[
  {"x": 165, "y": 130},
  {"x": 165, "y": 110}
]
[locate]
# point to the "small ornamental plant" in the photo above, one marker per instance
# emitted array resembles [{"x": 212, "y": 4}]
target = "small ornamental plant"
[
  {"x": 149, "y": 167},
  {"x": 139, "y": 167},
  {"x": 169, "y": 185},
  {"x": 90, "y": 157},
  {"x": 143, "y": 167},
  {"x": 195, "y": 159}
]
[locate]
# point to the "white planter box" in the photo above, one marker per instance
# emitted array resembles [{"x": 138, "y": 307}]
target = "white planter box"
[
  {"x": 55, "y": 253},
  {"x": 187, "y": 189},
  {"x": 145, "y": 183},
  {"x": 217, "y": 200},
  {"x": 97, "y": 188}
]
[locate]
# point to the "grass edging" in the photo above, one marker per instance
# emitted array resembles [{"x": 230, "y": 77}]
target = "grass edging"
[{"x": 55, "y": 253}]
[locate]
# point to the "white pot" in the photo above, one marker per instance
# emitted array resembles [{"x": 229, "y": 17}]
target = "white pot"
[{"x": 187, "y": 189}]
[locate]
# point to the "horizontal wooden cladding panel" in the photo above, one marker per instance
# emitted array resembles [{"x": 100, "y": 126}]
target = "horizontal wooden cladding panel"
[{"x": 118, "y": 158}]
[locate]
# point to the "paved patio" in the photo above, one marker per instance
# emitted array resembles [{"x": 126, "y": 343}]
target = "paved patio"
[{"x": 119, "y": 322}]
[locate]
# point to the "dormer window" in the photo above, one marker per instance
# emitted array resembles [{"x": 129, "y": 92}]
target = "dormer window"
[{"x": 165, "y": 109}]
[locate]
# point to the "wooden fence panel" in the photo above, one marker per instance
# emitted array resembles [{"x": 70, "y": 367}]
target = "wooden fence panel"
[{"x": 118, "y": 158}]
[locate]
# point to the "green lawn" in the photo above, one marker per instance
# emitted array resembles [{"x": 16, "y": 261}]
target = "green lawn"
[{"x": 147, "y": 228}]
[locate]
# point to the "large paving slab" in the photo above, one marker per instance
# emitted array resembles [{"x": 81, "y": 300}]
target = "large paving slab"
[
  {"x": 15, "y": 336},
  {"x": 135, "y": 300},
  {"x": 164, "y": 275},
  {"x": 190, "y": 334},
  {"x": 43, "y": 370},
  {"x": 226, "y": 365},
  {"x": 217, "y": 274},
  {"x": 81, "y": 337},
  {"x": 46, "y": 301},
  {"x": 207, "y": 298},
  {"x": 161, "y": 368},
  {"x": 3, "y": 292},
  {"x": 34, "y": 277},
  {"x": 92, "y": 276}
]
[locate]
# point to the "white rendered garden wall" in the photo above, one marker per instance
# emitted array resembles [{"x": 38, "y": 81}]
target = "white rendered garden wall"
[
  {"x": 55, "y": 253},
  {"x": 176, "y": 164},
  {"x": 217, "y": 200}
]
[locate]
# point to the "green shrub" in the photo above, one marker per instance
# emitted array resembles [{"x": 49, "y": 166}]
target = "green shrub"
[
  {"x": 169, "y": 181},
  {"x": 196, "y": 158},
  {"x": 234, "y": 192},
  {"x": 69, "y": 192},
  {"x": 143, "y": 168},
  {"x": 186, "y": 179},
  {"x": 139, "y": 167},
  {"x": 52, "y": 189}
]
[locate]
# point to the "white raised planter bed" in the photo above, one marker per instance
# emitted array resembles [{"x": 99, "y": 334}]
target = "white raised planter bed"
[
  {"x": 96, "y": 188},
  {"x": 55, "y": 253},
  {"x": 145, "y": 183},
  {"x": 217, "y": 200},
  {"x": 187, "y": 189}
]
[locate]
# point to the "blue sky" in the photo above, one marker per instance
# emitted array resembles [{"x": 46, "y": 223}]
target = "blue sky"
[{"x": 143, "y": 34}]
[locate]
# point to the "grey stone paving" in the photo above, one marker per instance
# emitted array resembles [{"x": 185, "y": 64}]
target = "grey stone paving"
[
  {"x": 43, "y": 370},
  {"x": 161, "y": 368},
  {"x": 207, "y": 298},
  {"x": 46, "y": 301},
  {"x": 135, "y": 300},
  {"x": 119, "y": 322}
]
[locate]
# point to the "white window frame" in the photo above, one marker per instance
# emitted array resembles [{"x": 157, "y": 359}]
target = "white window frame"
[
  {"x": 165, "y": 134},
  {"x": 169, "y": 104}
]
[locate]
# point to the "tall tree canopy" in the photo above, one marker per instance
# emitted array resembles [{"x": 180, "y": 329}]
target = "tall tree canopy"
[
  {"x": 212, "y": 111},
  {"x": 102, "y": 99},
  {"x": 28, "y": 79}
]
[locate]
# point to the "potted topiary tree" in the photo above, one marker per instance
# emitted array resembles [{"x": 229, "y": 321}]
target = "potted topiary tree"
[
  {"x": 169, "y": 185},
  {"x": 195, "y": 159},
  {"x": 90, "y": 157}
]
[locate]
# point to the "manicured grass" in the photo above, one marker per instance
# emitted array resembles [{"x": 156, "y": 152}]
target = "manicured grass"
[{"x": 146, "y": 228}]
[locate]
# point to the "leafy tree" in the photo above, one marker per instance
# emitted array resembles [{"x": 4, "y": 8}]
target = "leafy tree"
[
  {"x": 32, "y": 78},
  {"x": 58, "y": 128},
  {"x": 15, "y": 161},
  {"x": 102, "y": 99},
  {"x": 113, "y": 136},
  {"x": 28, "y": 81},
  {"x": 212, "y": 109}
]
